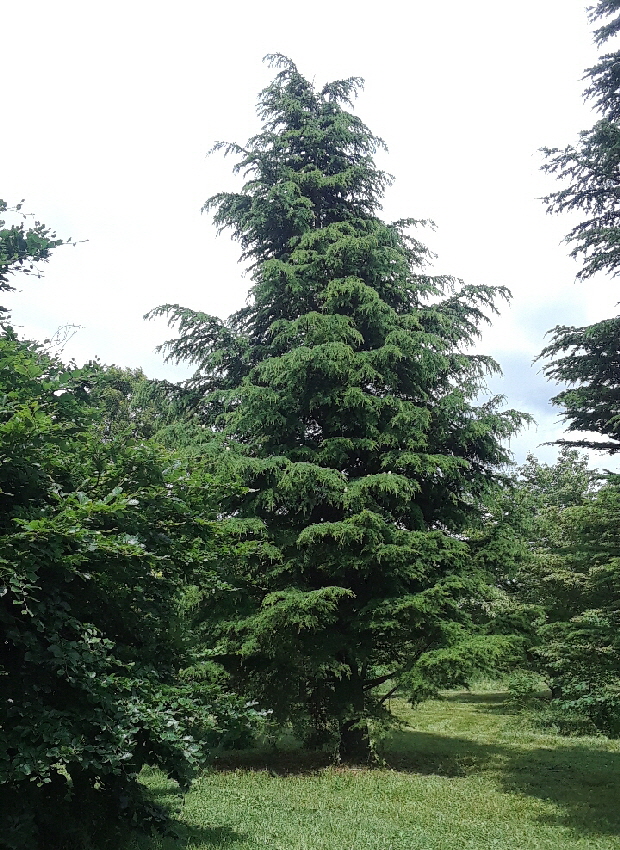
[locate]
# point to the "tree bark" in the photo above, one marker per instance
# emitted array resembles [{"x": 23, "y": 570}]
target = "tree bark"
[{"x": 355, "y": 747}]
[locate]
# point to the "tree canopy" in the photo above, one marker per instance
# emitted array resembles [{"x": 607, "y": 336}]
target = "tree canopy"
[
  {"x": 104, "y": 534},
  {"x": 591, "y": 166},
  {"x": 587, "y": 358},
  {"x": 589, "y": 363},
  {"x": 22, "y": 247},
  {"x": 343, "y": 395}
]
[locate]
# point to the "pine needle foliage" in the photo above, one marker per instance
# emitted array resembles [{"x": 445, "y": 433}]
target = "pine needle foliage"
[
  {"x": 344, "y": 394},
  {"x": 590, "y": 363},
  {"x": 586, "y": 358},
  {"x": 590, "y": 167}
]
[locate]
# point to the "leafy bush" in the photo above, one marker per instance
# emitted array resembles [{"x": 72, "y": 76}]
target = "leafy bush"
[
  {"x": 98, "y": 538},
  {"x": 523, "y": 686}
]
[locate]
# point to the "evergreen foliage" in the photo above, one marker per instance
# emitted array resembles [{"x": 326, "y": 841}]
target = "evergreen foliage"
[
  {"x": 589, "y": 362},
  {"x": 343, "y": 397},
  {"x": 591, "y": 166},
  {"x": 587, "y": 358}
]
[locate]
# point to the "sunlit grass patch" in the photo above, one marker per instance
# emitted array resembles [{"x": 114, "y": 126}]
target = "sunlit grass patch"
[{"x": 464, "y": 774}]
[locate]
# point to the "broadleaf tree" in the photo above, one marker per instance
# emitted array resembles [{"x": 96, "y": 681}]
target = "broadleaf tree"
[
  {"x": 104, "y": 536},
  {"x": 554, "y": 538},
  {"x": 22, "y": 247},
  {"x": 523, "y": 543},
  {"x": 343, "y": 395},
  {"x": 580, "y": 648}
]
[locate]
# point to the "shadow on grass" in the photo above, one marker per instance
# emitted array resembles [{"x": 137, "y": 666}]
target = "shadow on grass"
[
  {"x": 583, "y": 782},
  {"x": 212, "y": 836},
  {"x": 186, "y": 835},
  {"x": 167, "y": 794},
  {"x": 490, "y": 698},
  {"x": 496, "y": 702},
  {"x": 291, "y": 762}
]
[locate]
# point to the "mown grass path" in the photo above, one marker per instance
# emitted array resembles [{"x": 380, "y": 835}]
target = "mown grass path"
[{"x": 464, "y": 774}]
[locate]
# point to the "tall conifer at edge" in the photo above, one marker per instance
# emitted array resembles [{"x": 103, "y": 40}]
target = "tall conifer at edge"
[
  {"x": 588, "y": 358},
  {"x": 344, "y": 394}
]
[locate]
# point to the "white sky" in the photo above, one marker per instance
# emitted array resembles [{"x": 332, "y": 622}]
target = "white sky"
[{"x": 109, "y": 109}]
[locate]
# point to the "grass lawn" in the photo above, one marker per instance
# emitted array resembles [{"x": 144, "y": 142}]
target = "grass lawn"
[{"x": 465, "y": 774}]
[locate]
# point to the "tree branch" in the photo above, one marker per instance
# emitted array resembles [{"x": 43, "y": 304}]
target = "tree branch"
[
  {"x": 378, "y": 681},
  {"x": 390, "y": 693}
]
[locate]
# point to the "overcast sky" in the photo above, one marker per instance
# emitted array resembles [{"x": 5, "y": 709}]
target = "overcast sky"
[{"x": 109, "y": 109}]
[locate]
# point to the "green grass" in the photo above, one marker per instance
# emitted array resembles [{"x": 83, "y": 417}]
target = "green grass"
[{"x": 463, "y": 774}]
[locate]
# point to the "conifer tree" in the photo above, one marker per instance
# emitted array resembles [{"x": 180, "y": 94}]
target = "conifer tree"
[
  {"x": 344, "y": 394},
  {"x": 587, "y": 358}
]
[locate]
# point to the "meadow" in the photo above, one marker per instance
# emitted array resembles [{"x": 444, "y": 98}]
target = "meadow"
[{"x": 464, "y": 773}]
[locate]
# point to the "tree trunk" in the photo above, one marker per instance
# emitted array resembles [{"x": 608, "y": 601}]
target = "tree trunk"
[{"x": 354, "y": 747}]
